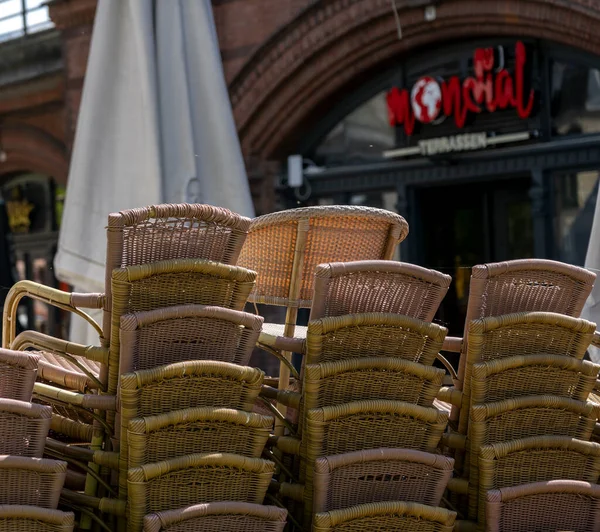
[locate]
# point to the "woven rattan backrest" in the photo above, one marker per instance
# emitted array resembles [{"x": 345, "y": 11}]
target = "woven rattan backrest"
[
  {"x": 357, "y": 379},
  {"x": 23, "y": 427},
  {"x": 184, "y": 385},
  {"x": 171, "y": 231},
  {"x": 31, "y": 481},
  {"x": 524, "y": 333},
  {"x": 207, "y": 430},
  {"x": 170, "y": 283},
  {"x": 526, "y": 285},
  {"x": 559, "y": 505},
  {"x": 533, "y": 374},
  {"x": 377, "y": 286},
  {"x": 313, "y": 236},
  {"x": 379, "y": 475},
  {"x": 536, "y": 459},
  {"x": 363, "y": 425},
  {"x": 229, "y": 516},
  {"x": 373, "y": 335},
  {"x": 187, "y": 332},
  {"x": 18, "y": 371},
  {"x": 188, "y": 479},
  {"x": 525, "y": 417},
  {"x": 380, "y": 516},
  {"x": 35, "y": 519}
]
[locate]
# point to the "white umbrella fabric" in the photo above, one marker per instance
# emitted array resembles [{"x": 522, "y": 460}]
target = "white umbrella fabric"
[{"x": 155, "y": 126}]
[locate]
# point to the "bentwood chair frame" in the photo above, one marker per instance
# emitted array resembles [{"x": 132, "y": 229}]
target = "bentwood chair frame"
[
  {"x": 286, "y": 247},
  {"x": 398, "y": 516},
  {"x": 552, "y": 505},
  {"x": 535, "y": 459},
  {"x": 225, "y": 516},
  {"x": 378, "y": 475}
]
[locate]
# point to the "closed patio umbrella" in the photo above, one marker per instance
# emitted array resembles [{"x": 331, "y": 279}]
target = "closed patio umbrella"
[
  {"x": 155, "y": 126},
  {"x": 591, "y": 310}
]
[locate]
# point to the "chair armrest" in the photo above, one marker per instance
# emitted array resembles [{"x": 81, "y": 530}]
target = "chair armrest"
[
  {"x": 450, "y": 395},
  {"x": 292, "y": 491},
  {"x": 454, "y": 441},
  {"x": 285, "y": 397},
  {"x": 64, "y": 377},
  {"x": 104, "y": 504},
  {"x": 83, "y": 400},
  {"x": 459, "y": 486},
  {"x": 38, "y": 340},
  {"x": 452, "y": 344},
  {"x": 286, "y": 444}
]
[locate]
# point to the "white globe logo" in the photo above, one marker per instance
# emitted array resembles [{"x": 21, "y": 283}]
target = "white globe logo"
[{"x": 426, "y": 99}]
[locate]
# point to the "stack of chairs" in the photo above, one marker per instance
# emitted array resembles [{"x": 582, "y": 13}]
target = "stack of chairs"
[
  {"x": 30, "y": 486},
  {"x": 367, "y": 432},
  {"x": 168, "y": 372},
  {"x": 523, "y": 418}
]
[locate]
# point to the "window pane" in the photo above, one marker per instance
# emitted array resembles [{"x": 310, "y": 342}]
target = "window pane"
[
  {"x": 575, "y": 99},
  {"x": 10, "y": 7},
  {"x": 31, "y": 4},
  {"x": 576, "y": 195},
  {"x": 362, "y": 136},
  {"x": 38, "y": 20},
  {"x": 11, "y": 28}
]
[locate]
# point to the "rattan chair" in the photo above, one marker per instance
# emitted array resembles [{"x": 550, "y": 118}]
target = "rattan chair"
[
  {"x": 193, "y": 430},
  {"x": 524, "y": 417},
  {"x": 526, "y": 333},
  {"x": 15, "y": 518},
  {"x": 536, "y": 459},
  {"x": 31, "y": 481},
  {"x": 369, "y": 286},
  {"x": 520, "y": 375},
  {"x": 364, "y": 425},
  {"x": 23, "y": 427},
  {"x": 357, "y": 379},
  {"x": 375, "y": 334},
  {"x": 188, "y": 479},
  {"x": 561, "y": 505},
  {"x": 179, "y": 386},
  {"x": 525, "y": 285},
  {"x": 379, "y": 475},
  {"x": 187, "y": 332},
  {"x": 286, "y": 247},
  {"x": 138, "y": 236},
  {"x": 386, "y": 517},
  {"x": 224, "y": 516},
  {"x": 18, "y": 372}
]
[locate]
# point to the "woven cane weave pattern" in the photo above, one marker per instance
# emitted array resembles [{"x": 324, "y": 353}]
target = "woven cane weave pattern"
[
  {"x": 386, "y": 517},
  {"x": 207, "y": 430},
  {"x": 378, "y": 286},
  {"x": 164, "y": 232},
  {"x": 18, "y": 372},
  {"x": 339, "y": 233},
  {"x": 23, "y": 428},
  {"x": 375, "y": 334},
  {"x": 17, "y": 518},
  {"x": 227, "y": 516},
  {"x": 380, "y": 475},
  {"x": 334, "y": 383}
]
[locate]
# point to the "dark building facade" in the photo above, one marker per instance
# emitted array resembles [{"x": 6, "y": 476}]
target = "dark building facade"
[{"x": 477, "y": 120}]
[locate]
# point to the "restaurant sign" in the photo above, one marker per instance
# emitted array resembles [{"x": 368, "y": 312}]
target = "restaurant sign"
[{"x": 492, "y": 88}]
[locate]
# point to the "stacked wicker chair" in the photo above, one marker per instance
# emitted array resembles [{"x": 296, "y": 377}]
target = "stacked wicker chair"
[
  {"x": 525, "y": 412},
  {"x": 30, "y": 486},
  {"x": 367, "y": 432},
  {"x": 172, "y": 341}
]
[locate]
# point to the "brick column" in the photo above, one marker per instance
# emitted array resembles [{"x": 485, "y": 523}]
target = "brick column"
[{"x": 74, "y": 19}]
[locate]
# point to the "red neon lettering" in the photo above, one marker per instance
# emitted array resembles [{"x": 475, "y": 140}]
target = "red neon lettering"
[{"x": 486, "y": 89}]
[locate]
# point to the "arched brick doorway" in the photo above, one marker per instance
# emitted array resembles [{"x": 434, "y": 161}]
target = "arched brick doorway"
[{"x": 333, "y": 44}]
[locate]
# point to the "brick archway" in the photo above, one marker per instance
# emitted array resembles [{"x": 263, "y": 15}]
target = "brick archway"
[
  {"x": 293, "y": 76},
  {"x": 30, "y": 149}
]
